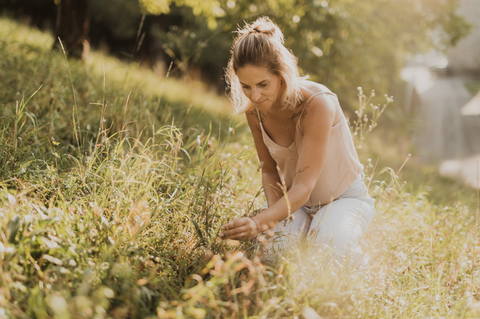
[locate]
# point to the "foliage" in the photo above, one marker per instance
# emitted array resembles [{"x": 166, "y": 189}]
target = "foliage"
[
  {"x": 473, "y": 86},
  {"x": 337, "y": 42},
  {"x": 340, "y": 42},
  {"x": 209, "y": 9},
  {"x": 121, "y": 16},
  {"x": 108, "y": 210}
]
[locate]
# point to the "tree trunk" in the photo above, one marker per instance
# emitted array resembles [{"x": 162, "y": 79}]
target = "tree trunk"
[{"x": 72, "y": 26}]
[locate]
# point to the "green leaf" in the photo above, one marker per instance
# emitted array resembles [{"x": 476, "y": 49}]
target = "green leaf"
[
  {"x": 199, "y": 232},
  {"x": 13, "y": 227}
]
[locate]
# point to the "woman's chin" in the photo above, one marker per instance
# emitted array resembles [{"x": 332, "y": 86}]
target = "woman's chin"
[{"x": 261, "y": 104}]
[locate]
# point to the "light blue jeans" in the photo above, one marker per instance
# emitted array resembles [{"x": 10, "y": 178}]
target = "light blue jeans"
[{"x": 338, "y": 225}]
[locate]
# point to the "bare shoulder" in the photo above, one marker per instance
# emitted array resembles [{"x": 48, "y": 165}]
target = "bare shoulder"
[
  {"x": 318, "y": 106},
  {"x": 309, "y": 88}
]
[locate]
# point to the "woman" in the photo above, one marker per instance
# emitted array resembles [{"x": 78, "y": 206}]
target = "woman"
[{"x": 311, "y": 174}]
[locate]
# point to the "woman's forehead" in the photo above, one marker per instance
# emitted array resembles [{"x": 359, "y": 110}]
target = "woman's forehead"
[{"x": 254, "y": 74}]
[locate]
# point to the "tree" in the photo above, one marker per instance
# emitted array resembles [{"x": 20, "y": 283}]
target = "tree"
[
  {"x": 340, "y": 43},
  {"x": 350, "y": 43},
  {"x": 73, "y": 25}
]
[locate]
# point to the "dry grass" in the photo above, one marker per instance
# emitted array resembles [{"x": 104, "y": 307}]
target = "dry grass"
[{"x": 117, "y": 215}]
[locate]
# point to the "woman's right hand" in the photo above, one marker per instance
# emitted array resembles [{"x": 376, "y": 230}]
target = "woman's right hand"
[{"x": 239, "y": 229}]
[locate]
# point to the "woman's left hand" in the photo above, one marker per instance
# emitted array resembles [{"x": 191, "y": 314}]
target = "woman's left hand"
[{"x": 242, "y": 228}]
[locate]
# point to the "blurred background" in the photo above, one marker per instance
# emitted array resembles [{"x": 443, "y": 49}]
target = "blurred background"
[{"x": 424, "y": 53}]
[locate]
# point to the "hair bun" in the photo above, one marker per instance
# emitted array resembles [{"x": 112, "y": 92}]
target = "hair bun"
[{"x": 263, "y": 25}]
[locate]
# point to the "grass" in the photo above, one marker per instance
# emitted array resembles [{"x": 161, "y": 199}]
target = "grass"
[
  {"x": 112, "y": 192},
  {"x": 473, "y": 86}
]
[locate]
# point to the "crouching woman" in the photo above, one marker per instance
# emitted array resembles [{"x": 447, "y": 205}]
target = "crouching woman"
[{"x": 312, "y": 177}]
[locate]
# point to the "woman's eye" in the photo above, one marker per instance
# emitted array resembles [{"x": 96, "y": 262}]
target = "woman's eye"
[
  {"x": 246, "y": 87},
  {"x": 262, "y": 85}
]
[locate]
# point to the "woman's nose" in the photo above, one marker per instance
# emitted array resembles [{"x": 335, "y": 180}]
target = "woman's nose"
[{"x": 256, "y": 95}]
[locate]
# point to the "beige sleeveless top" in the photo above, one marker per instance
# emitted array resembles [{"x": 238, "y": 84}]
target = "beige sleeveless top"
[{"x": 341, "y": 167}]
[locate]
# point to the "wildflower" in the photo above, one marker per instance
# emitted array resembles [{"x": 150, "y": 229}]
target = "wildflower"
[
  {"x": 12, "y": 200},
  {"x": 108, "y": 293},
  {"x": 104, "y": 266}
]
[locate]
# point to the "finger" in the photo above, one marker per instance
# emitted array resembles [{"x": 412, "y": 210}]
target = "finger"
[
  {"x": 234, "y": 224},
  {"x": 243, "y": 236},
  {"x": 228, "y": 233},
  {"x": 240, "y": 236},
  {"x": 237, "y": 231},
  {"x": 230, "y": 225}
]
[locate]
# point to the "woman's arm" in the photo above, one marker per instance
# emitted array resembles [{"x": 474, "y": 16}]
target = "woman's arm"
[
  {"x": 317, "y": 122},
  {"x": 242, "y": 227},
  {"x": 270, "y": 182},
  {"x": 270, "y": 178}
]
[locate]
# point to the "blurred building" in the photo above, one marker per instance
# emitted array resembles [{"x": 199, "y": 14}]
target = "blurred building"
[
  {"x": 447, "y": 116},
  {"x": 465, "y": 57}
]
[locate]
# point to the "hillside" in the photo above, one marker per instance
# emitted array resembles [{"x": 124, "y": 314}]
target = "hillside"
[{"x": 114, "y": 182}]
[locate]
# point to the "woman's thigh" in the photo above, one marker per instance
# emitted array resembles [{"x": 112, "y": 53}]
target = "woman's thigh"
[
  {"x": 291, "y": 231},
  {"x": 342, "y": 223}
]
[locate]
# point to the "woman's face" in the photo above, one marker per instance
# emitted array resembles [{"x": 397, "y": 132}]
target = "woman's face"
[{"x": 260, "y": 85}]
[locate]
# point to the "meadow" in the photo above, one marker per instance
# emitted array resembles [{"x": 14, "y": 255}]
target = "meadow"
[{"x": 114, "y": 182}]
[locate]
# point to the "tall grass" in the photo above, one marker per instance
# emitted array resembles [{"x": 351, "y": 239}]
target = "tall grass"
[{"x": 111, "y": 202}]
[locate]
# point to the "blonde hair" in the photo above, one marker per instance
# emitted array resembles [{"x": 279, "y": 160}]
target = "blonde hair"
[{"x": 262, "y": 44}]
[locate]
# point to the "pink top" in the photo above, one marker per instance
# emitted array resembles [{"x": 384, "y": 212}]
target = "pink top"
[{"x": 341, "y": 166}]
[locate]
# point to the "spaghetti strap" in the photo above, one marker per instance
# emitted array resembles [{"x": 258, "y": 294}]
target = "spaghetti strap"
[{"x": 312, "y": 96}]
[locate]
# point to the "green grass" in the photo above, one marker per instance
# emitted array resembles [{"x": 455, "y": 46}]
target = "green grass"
[
  {"x": 473, "y": 86},
  {"x": 113, "y": 189}
]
